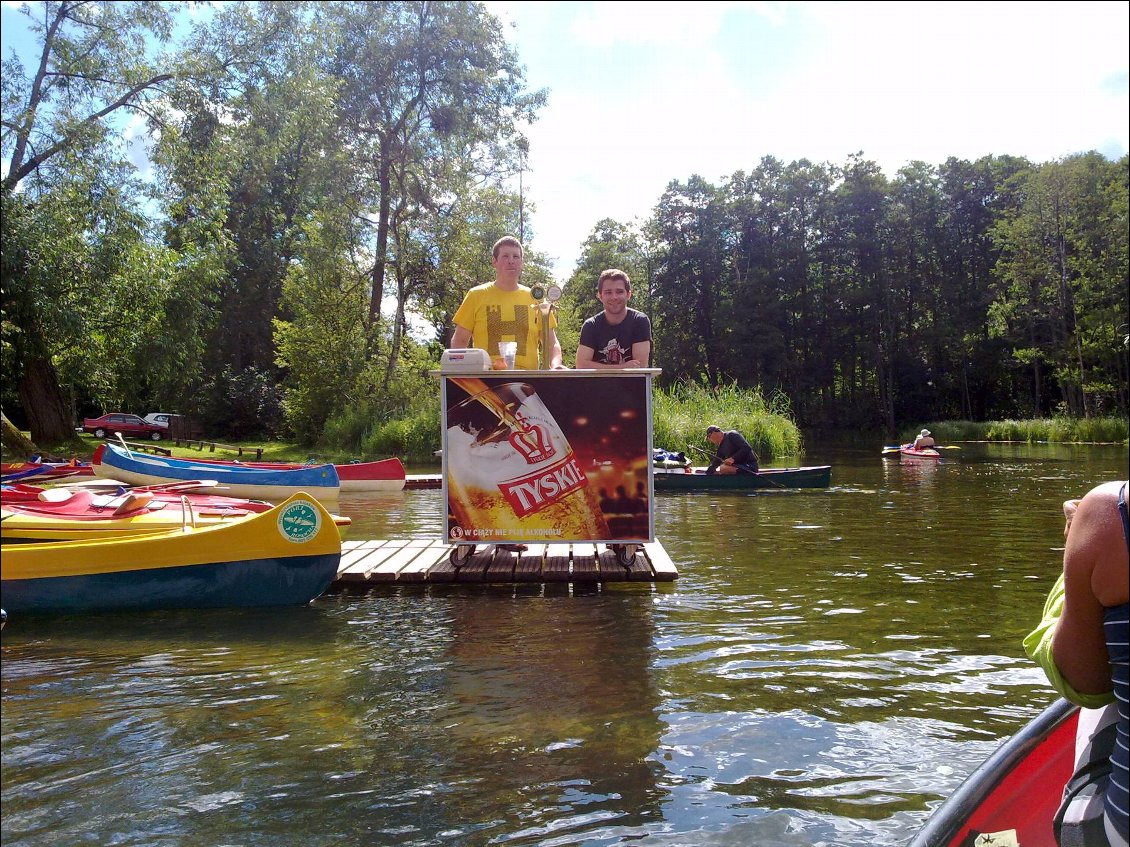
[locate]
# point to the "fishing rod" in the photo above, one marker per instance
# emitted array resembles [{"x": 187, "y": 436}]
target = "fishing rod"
[{"x": 765, "y": 477}]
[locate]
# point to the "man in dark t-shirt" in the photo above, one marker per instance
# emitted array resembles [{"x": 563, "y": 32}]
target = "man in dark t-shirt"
[
  {"x": 734, "y": 454},
  {"x": 618, "y": 337}
]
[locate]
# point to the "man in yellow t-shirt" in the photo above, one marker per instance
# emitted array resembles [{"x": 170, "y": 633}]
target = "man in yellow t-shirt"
[{"x": 502, "y": 311}]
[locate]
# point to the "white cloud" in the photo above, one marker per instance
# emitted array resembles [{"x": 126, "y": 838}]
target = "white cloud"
[{"x": 644, "y": 94}]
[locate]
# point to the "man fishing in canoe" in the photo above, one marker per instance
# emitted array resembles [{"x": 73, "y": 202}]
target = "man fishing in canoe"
[{"x": 733, "y": 453}]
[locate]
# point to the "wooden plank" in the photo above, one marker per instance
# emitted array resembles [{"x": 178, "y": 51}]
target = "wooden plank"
[
  {"x": 367, "y": 559},
  {"x": 661, "y": 564},
  {"x": 528, "y": 568},
  {"x": 421, "y": 559},
  {"x": 501, "y": 568},
  {"x": 584, "y": 563},
  {"x": 475, "y": 568},
  {"x": 353, "y": 551},
  {"x": 417, "y": 570},
  {"x": 639, "y": 570},
  {"x": 556, "y": 566},
  {"x": 406, "y": 553},
  {"x": 610, "y": 568}
]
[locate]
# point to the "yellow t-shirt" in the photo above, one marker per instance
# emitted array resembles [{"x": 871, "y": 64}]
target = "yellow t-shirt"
[{"x": 493, "y": 315}]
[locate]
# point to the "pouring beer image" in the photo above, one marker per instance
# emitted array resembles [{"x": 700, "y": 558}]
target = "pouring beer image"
[{"x": 511, "y": 472}]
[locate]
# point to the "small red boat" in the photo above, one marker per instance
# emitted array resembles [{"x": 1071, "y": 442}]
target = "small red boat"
[
  {"x": 1013, "y": 796},
  {"x": 923, "y": 453}
]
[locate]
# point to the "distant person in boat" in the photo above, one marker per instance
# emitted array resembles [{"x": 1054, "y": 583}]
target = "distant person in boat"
[
  {"x": 503, "y": 311},
  {"x": 618, "y": 337},
  {"x": 923, "y": 440},
  {"x": 733, "y": 455},
  {"x": 1082, "y": 645}
]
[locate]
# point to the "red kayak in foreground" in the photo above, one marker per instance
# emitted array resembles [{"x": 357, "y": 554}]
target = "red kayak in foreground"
[{"x": 1013, "y": 796}]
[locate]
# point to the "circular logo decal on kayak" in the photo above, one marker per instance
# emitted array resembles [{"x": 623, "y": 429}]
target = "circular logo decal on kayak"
[{"x": 299, "y": 522}]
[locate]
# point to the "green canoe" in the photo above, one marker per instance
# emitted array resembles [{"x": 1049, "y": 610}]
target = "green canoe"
[{"x": 694, "y": 479}]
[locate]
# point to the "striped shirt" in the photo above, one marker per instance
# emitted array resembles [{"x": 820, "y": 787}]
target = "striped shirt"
[{"x": 1116, "y": 628}]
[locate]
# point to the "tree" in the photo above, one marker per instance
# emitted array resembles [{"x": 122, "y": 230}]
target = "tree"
[
  {"x": 429, "y": 92},
  {"x": 94, "y": 63}
]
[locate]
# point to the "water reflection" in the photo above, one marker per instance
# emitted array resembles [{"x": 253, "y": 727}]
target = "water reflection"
[{"x": 829, "y": 665}]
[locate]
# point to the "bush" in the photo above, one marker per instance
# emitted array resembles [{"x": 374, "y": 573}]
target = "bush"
[
  {"x": 681, "y": 414},
  {"x": 414, "y": 437},
  {"x": 1061, "y": 430}
]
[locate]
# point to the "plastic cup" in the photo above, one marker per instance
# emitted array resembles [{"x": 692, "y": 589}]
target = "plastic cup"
[{"x": 508, "y": 350}]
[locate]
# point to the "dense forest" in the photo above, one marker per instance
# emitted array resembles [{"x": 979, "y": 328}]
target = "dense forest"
[{"x": 248, "y": 217}]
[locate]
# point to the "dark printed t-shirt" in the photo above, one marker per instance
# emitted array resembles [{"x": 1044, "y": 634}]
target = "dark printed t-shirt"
[{"x": 612, "y": 345}]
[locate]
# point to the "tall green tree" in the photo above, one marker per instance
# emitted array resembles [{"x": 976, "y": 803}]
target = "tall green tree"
[
  {"x": 1060, "y": 265},
  {"x": 429, "y": 92},
  {"x": 96, "y": 62}
]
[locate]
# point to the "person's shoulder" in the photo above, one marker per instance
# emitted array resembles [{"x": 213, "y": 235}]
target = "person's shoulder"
[
  {"x": 595, "y": 320},
  {"x": 636, "y": 315},
  {"x": 1102, "y": 495},
  {"x": 478, "y": 290}
]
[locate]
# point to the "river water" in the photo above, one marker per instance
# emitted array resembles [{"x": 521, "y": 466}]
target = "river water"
[{"x": 828, "y": 667}]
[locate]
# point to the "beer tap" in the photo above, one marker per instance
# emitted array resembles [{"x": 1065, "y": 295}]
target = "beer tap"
[{"x": 547, "y": 297}]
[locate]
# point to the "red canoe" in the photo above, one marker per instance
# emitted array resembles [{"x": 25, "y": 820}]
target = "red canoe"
[{"x": 1015, "y": 792}]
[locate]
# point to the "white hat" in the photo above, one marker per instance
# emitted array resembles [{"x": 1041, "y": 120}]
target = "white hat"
[{"x": 924, "y": 432}]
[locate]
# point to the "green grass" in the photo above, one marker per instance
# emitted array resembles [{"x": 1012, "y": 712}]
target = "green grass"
[{"x": 681, "y": 414}]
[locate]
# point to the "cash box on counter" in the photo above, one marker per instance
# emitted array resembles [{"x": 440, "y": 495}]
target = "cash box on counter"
[{"x": 473, "y": 359}]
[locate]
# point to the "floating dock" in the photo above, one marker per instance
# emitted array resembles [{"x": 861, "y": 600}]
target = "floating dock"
[{"x": 418, "y": 560}]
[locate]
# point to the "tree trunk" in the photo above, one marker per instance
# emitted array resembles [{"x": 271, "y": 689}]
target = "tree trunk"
[
  {"x": 43, "y": 401},
  {"x": 14, "y": 440}
]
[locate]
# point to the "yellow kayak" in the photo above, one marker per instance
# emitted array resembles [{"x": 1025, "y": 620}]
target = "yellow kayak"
[
  {"x": 81, "y": 514},
  {"x": 286, "y": 556}
]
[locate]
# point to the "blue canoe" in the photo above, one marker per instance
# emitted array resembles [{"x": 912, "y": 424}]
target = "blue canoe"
[{"x": 112, "y": 461}]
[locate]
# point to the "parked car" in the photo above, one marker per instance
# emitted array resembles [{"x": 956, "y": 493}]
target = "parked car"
[
  {"x": 159, "y": 418},
  {"x": 130, "y": 426}
]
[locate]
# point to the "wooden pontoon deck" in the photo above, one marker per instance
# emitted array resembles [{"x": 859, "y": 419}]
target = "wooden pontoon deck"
[{"x": 419, "y": 560}]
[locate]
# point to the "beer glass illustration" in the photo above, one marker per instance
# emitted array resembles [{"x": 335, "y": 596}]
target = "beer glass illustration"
[{"x": 511, "y": 473}]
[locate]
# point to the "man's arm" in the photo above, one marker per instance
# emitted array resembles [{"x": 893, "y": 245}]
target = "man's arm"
[
  {"x": 555, "y": 362},
  {"x": 460, "y": 338},
  {"x": 1079, "y": 644},
  {"x": 584, "y": 357},
  {"x": 586, "y": 361},
  {"x": 641, "y": 354}
]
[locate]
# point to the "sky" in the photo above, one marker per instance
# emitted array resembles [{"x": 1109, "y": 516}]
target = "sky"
[{"x": 643, "y": 93}]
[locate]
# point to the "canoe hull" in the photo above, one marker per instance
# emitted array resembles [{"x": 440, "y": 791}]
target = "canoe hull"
[
  {"x": 245, "y": 583},
  {"x": 286, "y": 556},
  {"x": 385, "y": 475},
  {"x": 818, "y": 476},
  {"x": 1017, "y": 789},
  {"x": 320, "y": 481},
  {"x": 919, "y": 455}
]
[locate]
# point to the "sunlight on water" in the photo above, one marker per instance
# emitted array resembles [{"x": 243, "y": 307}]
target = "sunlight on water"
[{"x": 828, "y": 667}]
